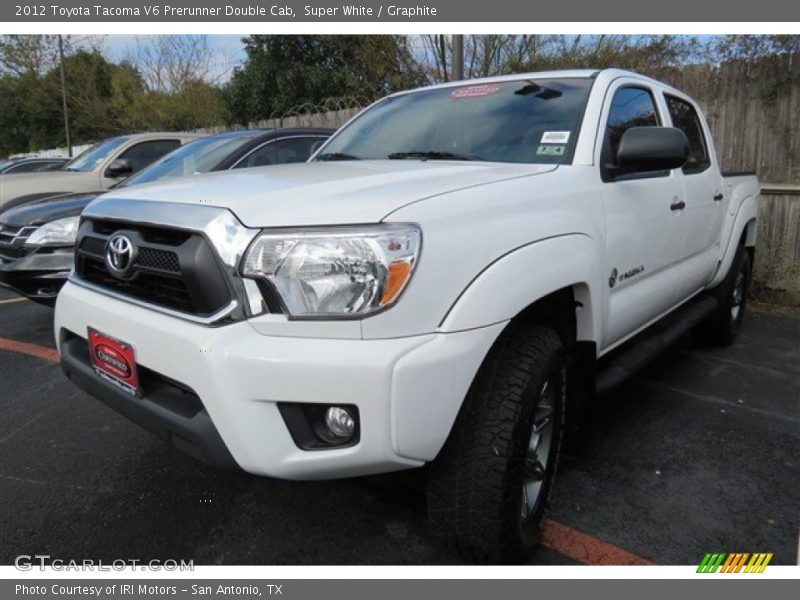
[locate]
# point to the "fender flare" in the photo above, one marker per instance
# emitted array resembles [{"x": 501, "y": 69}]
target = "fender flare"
[
  {"x": 537, "y": 269},
  {"x": 747, "y": 213}
]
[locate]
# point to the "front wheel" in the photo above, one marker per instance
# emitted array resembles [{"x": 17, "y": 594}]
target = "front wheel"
[{"x": 489, "y": 487}]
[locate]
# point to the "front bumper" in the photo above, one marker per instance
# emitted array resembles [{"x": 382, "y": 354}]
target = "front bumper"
[
  {"x": 38, "y": 275},
  {"x": 407, "y": 390}
]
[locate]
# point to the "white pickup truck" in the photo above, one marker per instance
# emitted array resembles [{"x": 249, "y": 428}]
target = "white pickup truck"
[{"x": 449, "y": 282}]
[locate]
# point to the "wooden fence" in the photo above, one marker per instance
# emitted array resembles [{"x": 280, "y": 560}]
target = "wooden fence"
[{"x": 333, "y": 119}]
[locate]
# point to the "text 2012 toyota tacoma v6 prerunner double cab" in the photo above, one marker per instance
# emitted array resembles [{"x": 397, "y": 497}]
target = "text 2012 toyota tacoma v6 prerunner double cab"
[{"x": 449, "y": 282}]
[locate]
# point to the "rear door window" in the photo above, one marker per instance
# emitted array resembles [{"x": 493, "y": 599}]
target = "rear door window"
[
  {"x": 144, "y": 153},
  {"x": 28, "y": 167},
  {"x": 685, "y": 117}
]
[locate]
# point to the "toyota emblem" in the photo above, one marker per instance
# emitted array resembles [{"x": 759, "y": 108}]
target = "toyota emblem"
[{"x": 119, "y": 254}]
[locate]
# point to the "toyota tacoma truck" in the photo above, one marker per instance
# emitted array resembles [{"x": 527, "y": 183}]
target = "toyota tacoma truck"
[{"x": 450, "y": 282}]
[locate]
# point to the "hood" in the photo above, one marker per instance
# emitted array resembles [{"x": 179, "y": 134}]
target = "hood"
[
  {"x": 46, "y": 183},
  {"x": 48, "y": 209},
  {"x": 326, "y": 193}
]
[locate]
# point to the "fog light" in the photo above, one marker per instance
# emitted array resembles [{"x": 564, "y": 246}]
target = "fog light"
[
  {"x": 321, "y": 426},
  {"x": 340, "y": 423}
]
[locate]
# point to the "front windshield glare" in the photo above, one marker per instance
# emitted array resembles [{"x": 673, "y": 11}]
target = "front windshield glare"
[
  {"x": 525, "y": 121},
  {"x": 94, "y": 156},
  {"x": 199, "y": 156}
]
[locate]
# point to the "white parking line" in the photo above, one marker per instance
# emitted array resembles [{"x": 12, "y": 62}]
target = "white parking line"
[
  {"x": 719, "y": 401},
  {"x": 12, "y": 300}
]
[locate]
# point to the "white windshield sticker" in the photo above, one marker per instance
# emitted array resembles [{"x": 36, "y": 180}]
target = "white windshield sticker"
[{"x": 555, "y": 137}]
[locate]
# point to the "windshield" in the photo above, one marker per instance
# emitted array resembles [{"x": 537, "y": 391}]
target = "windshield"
[
  {"x": 526, "y": 121},
  {"x": 91, "y": 158},
  {"x": 200, "y": 156}
]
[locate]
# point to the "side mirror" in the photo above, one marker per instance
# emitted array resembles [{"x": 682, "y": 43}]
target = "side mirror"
[
  {"x": 644, "y": 149},
  {"x": 119, "y": 167}
]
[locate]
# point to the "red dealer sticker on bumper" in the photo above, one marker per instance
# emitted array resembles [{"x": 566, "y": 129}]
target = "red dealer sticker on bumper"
[
  {"x": 474, "y": 91},
  {"x": 114, "y": 361}
]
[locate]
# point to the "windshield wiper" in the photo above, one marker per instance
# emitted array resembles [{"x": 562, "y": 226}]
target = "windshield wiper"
[
  {"x": 432, "y": 155},
  {"x": 337, "y": 156}
]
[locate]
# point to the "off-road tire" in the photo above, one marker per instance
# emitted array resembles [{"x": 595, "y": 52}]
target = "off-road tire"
[
  {"x": 722, "y": 326},
  {"x": 475, "y": 485}
]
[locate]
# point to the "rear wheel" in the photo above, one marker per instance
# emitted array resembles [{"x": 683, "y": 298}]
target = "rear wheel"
[
  {"x": 722, "y": 326},
  {"x": 488, "y": 489}
]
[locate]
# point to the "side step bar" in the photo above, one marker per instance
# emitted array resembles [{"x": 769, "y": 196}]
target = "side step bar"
[{"x": 651, "y": 342}]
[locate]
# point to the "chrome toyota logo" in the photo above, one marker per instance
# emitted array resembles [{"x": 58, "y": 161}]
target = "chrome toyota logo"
[{"x": 119, "y": 254}]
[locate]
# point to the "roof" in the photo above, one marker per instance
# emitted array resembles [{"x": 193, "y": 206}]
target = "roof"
[
  {"x": 34, "y": 159},
  {"x": 562, "y": 74},
  {"x": 570, "y": 73},
  {"x": 238, "y": 133},
  {"x": 267, "y": 132},
  {"x": 159, "y": 134}
]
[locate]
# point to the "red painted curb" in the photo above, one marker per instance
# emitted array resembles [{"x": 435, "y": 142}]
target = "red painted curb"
[
  {"x": 586, "y": 549},
  {"x": 29, "y": 349}
]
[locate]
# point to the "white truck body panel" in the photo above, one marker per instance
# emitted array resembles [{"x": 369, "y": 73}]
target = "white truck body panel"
[{"x": 326, "y": 193}]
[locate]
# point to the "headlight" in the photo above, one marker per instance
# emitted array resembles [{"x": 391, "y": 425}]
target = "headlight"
[
  {"x": 336, "y": 272},
  {"x": 60, "y": 231}
]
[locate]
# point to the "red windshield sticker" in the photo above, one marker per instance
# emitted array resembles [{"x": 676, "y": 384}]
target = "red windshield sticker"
[{"x": 474, "y": 91}]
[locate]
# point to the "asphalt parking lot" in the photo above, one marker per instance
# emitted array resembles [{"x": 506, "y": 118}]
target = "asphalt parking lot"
[{"x": 700, "y": 452}]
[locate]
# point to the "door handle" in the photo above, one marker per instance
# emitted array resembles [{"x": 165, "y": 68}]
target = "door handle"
[
  {"x": 718, "y": 197},
  {"x": 677, "y": 205}
]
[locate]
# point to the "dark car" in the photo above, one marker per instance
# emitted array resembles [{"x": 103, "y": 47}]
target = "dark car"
[
  {"x": 13, "y": 166},
  {"x": 37, "y": 239}
]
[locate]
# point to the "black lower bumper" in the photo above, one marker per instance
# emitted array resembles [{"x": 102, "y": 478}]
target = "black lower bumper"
[
  {"x": 37, "y": 276},
  {"x": 43, "y": 291},
  {"x": 169, "y": 410}
]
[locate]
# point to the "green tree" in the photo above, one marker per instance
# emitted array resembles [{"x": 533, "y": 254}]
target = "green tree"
[
  {"x": 103, "y": 98},
  {"x": 646, "y": 54},
  {"x": 282, "y": 72},
  {"x": 29, "y": 54}
]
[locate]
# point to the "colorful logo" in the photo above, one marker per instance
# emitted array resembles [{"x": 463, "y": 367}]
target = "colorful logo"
[{"x": 735, "y": 562}]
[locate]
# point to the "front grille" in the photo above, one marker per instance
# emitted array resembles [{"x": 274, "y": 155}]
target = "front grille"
[
  {"x": 12, "y": 241},
  {"x": 93, "y": 245},
  {"x": 158, "y": 259},
  {"x": 146, "y": 258},
  {"x": 164, "y": 291},
  {"x": 173, "y": 269},
  {"x": 149, "y": 233},
  {"x": 12, "y": 235},
  {"x": 12, "y": 252}
]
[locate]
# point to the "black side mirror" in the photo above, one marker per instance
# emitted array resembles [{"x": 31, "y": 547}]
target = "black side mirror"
[
  {"x": 119, "y": 167},
  {"x": 644, "y": 149}
]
